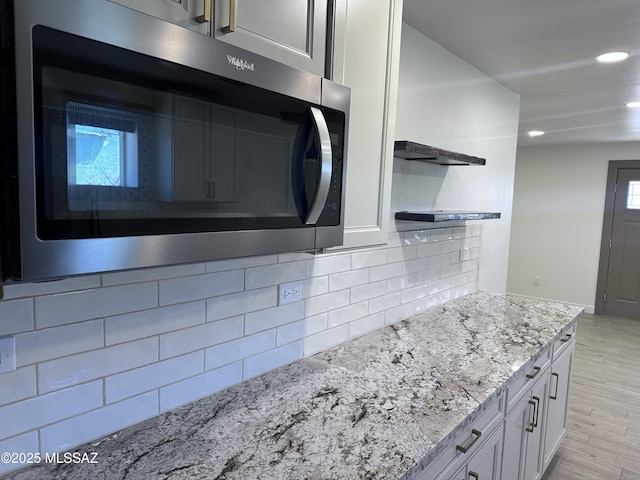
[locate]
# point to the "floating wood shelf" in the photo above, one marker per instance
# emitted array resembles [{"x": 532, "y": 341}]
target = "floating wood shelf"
[
  {"x": 425, "y": 153},
  {"x": 445, "y": 216}
]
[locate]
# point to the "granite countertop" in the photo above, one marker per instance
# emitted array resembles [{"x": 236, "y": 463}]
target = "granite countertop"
[{"x": 372, "y": 408}]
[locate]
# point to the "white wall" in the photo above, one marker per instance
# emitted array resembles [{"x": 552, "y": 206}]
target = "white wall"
[
  {"x": 446, "y": 103},
  {"x": 558, "y": 208}
]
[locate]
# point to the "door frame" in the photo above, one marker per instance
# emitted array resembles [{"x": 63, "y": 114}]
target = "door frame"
[{"x": 607, "y": 227}]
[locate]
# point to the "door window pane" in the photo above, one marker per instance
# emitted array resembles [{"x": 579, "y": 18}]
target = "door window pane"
[{"x": 633, "y": 197}]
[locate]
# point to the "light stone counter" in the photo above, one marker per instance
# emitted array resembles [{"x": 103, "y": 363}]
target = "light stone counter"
[{"x": 378, "y": 407}]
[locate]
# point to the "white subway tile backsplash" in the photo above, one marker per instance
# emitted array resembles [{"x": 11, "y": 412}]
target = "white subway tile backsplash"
[
  {"x": 400, "y": 254},
  {"x": 369, "y": 258},
  {"x": 199, "y": 337},
  {"x": 63, "y": 308},
  {"x": 186, "y": 289},
  {"x": 385, "y": 272},
  {"x": 151, "y": 274},
  {"x": 273, "y": 317},
  {"x": 236, "y": 350},
  {"x": 16, "y": 316},
  {"x": 352, "y": 278},
  {"x": 370, "y": 290},
  {"x": 199, "y": 386},
  {"x": 27, "y": 442},
  {"x": 132, "y": 326},
  {"x": 328, "y": 265},
  {"x": 83, "y": 367},
  {"x": 18, "y": 385},
  {"x": 323, "y": 340},
  {"x": 385, "y": 302},
  {"x": 45, "y": 409},
  {"x": 98, "y": 423},
  {"x": 98, "y": 353},
  {"x": 259, "y": 277},
  {"x": 324, "y": 303},
  {"x": 271, "y": 359},
  {"x": 26, "y": 289},
  {"x": 240, "y": 303},
  {"x": 430, "y": 249},
  {"x": 302, "y": 328},
  {"x": 50, "y": 343},
  {"x": 399, "y": 283},
  {"x": 366, "y": 324},
  {"x": 427, "y": 276},
  {"x": 398, "y": 313},
  {"x": 238, "y": 263},
  {"x": 150, "y": 377},
  {"x": 348, "y": 314},
  {"x": 441, "y": 234}
]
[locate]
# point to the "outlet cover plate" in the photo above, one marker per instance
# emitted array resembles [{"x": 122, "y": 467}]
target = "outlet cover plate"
[
  {"x": 289, "y": 292},
  {"x": 7, "y": 354}
]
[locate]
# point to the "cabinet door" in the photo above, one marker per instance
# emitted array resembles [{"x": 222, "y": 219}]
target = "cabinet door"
[
  {"x": 558, "y": 403},
  {"x": 535, "y": 432},
  {"x": 293, "y": 33},
  {"x": 185, "y": 13},
  {"x": 522, "y": 457},
  {"x": 485, "y": 464},
  {"x": 369, "y": 64}
]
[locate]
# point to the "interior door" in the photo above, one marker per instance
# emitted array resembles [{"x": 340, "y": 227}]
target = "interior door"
[{"x": 620, "y": 260}]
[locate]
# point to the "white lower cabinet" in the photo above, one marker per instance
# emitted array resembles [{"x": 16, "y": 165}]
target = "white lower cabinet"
[
  {"x": 516, "y": 435},
  {"x": 486, "y": 463},
  {"x": 524, "y": 434},
  {"x": 558, "y": 402}
]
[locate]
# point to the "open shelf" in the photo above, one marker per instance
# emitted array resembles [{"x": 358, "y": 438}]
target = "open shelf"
[{"x": 425, "y": 153}]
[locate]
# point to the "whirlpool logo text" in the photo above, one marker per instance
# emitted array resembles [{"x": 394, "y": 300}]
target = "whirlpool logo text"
[{"x": 240, "y": 64}]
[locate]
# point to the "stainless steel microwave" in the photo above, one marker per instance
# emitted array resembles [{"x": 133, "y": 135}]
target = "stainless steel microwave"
[{"x": 131, "y": 142}]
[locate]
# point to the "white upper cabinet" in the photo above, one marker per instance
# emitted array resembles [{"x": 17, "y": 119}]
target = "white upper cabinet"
[
  {"x": 186, "y": 13},
  {"x": 291, "y": 32},
  {"x": 366, "y": 58}
]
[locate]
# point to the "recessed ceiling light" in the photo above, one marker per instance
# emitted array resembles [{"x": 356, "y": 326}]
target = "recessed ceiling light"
[
  {"x": 613, "y": 57},
  {"x": 633, "y": 104},
  {"x": 535, "y": 133}
]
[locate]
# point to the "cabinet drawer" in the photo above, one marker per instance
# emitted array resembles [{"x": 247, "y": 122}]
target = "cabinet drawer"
[
  {"x": 567, "y": 335},
  {"x": 470, "y": 438},
  {"x": 526, "y": 378}
]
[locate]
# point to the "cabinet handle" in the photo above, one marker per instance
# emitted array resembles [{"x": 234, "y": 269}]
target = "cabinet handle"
[
  {"x": 232, "y": 18},
  {"x": 466, "y": 448},
  {"x": 537, "y": 411},
  {"x": 536, "y": 371},
  {"x": 566, "y": 338},
  {"x": 555, "y": 395},
  {"x": 206, "y": 16},
  {"x": 474, "y": 475},
  {"x": 531, "y": 423}
]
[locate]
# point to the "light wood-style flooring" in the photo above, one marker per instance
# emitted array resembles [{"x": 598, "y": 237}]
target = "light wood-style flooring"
[{"x": 603, "y": 434}]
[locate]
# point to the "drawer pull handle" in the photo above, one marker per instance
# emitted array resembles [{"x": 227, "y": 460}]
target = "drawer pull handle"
[
  {"x": 555, "y": 395},
  {"x": 536, "y": 371},
  {"x": 474, "y": 475},
  {"x": 466, "y": 448},
  {"x": 566, "y": 338}
]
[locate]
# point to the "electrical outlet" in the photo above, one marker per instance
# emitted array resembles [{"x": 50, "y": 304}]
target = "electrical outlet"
[
  {"x": 289, "y": 292},
  {"x": 536, "y": 281},
  {"x": 7, "y": 354}
]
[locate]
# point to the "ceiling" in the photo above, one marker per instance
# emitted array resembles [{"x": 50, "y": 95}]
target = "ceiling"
[{"x": 544, "y": 50}]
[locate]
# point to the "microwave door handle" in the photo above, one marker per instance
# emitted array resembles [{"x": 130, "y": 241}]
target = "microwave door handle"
[{"x": 326, "y": 166}]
